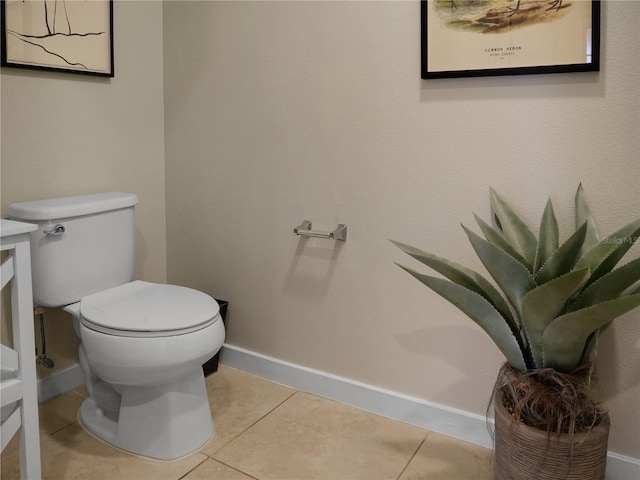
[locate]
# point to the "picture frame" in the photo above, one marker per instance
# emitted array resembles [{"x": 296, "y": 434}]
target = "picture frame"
[
  {"x": 475, "y": 38},
  {"x": 73, "y": 36}
]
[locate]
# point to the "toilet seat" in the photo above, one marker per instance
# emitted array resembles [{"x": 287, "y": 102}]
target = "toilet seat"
[{"x": 143, "y": 309}]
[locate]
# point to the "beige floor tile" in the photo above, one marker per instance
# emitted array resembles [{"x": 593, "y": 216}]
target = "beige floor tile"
[
  {"x": 238, "y": 400},
  {"x": 445, "y": 458},
  {"x": 265, "y": 431},
  {"x": 52, "y": 415},
  {"x": 212, "y": 469},
  {"x": 308, "y": 437},
  {"x": 73, "y": 454},
  {"x": 60, "y": 411}
]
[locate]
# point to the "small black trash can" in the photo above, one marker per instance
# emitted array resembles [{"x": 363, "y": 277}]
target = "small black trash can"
[{"x": 211, "y": 365}]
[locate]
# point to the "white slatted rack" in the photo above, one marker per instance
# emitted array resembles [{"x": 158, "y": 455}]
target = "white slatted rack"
[{"x": 18, "y": 388}]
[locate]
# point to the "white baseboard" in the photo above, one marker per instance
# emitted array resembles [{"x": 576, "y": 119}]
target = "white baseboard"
[
  {"x": 432, "y": 416},
  {"x": 60, "y": 382},
  {"x": 620, "y": 467}
]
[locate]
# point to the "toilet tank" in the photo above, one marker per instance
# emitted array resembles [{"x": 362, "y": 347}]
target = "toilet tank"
[{"x": 83, "y": 244}]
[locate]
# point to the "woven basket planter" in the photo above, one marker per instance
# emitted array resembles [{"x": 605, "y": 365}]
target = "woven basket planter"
[{"x": 525, "y": 453}]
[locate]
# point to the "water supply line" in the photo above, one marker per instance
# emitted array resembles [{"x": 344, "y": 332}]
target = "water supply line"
[{"x": 42, "y": 358}]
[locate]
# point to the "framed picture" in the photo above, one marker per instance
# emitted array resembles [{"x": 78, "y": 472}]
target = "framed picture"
[
  {"x": 471, "y": 38},
  {"x": 63, "y": 35}
]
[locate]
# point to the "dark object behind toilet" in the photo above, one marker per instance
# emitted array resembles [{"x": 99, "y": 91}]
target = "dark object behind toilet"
[{"x": 211, "y": 365}]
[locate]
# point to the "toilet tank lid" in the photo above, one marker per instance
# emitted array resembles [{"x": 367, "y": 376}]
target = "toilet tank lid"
[{"x": 67, "y": 207}]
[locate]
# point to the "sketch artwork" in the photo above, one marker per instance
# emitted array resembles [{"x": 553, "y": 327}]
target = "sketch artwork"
[{"x": 60, "y": 34}]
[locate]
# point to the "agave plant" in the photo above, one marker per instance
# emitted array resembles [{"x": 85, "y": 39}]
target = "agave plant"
[{"x": 557, "y": 297}]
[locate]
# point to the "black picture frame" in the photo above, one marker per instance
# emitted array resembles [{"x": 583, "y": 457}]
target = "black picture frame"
[
  {"x": 74, "y": 37},
  {"x": 458, "y": 47}
]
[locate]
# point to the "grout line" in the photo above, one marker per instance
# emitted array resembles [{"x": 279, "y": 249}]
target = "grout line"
[
  {"x": 414, "y": 455},
  {"x": 61, "y": 428},
  {"x": 245, "y": 430},
  {"x": 234, "y": 468},
  {"x": 270, "y": 411},
  {"x": 249, "y": 427},
  {"x": 76, "y": 392},
  {"x": 204, "y": 460},
  {"x": 72, "y": 422}
]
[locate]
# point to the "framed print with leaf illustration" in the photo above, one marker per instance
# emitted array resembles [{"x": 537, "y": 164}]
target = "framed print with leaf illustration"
[
  {"x": 63, "y": 35},
  {"x": 471, "y": 38}
]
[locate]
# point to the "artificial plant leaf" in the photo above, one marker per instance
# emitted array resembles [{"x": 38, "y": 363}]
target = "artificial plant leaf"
[
  {"x": 498, "y": 240},
  {"x": 634, "y": 290},
  {"x": 612, "y": 260},
  {"x": 544, "y": 303},
  {"x": 512, "y": 277},
  {"x": 565, "y": 338},
  {"x": 603, "y": 257},
  {"x": 583, "y": 214},
  {"x": 515, "y": 230},
  {"x": 548, "y": 238},
  {"x": 564, "y": 258},
  {"x": 609, "y": 286},
  {"x": 462, "y": 276},
  {"x": 478, "y": 309}
]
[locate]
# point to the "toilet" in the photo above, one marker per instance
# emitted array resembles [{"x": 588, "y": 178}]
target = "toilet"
[{"x": 142, "y": 344}]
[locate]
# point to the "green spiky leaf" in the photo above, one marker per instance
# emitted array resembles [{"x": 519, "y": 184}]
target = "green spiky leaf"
[
  {"x": 564, "y": 258},
  {"x": 478, "y": 309},
  {"x": 565, "y": 338},
  {"x": 633, "y": 290},
  {"x": 583, "y": 214},
  {"x": 462, "y": 276},
  {"x": 512, "y": 277},
  {"x": 605, "y": 255},
  {"x": 498, "y": 240},
  {"x": 610, "y": 286},
  {"x": 548, "y": 238},
  {"x": 544, "y": 303},
  {"x": 515, "y": 230}
]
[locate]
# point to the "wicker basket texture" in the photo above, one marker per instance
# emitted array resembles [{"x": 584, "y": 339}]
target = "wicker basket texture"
[{"x": 527, "y": 453}]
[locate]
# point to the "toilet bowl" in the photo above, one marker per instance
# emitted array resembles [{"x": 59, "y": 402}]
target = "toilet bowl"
[
  {"x": 142, "y": 350},
  {"x": 142, "y": 344}
]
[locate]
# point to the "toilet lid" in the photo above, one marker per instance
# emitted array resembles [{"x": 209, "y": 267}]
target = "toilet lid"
[{"x": 148, "y": 309}]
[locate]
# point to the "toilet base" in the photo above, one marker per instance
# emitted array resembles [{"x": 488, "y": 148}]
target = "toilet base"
[{"x": 162, "y": 422}]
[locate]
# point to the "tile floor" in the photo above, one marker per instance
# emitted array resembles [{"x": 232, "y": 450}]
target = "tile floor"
[{"x": 264, "y": 431}]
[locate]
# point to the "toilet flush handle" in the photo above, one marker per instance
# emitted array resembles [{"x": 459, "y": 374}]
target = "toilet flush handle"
[{"x": 56, "y": 230}]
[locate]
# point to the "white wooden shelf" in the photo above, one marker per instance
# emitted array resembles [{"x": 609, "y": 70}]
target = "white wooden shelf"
[{"x": 18, "y": 387}]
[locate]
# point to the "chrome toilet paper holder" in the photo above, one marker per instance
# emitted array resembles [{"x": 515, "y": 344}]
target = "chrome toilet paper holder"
[{"x": 339, "y": 233}]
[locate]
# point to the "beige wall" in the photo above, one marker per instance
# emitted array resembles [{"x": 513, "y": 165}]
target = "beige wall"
[
  {"x": 65, "y": 134},
  {"x": 282, "y": 111},
  {"x": 277, "y": 112}
]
